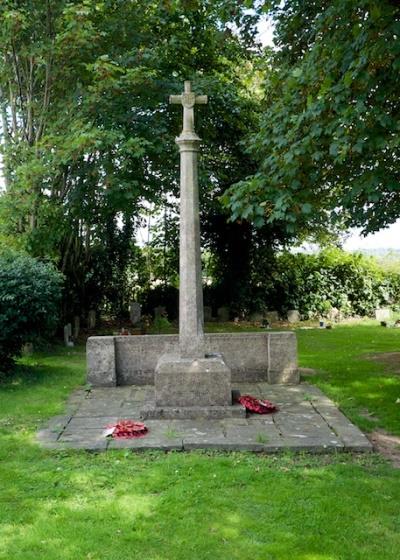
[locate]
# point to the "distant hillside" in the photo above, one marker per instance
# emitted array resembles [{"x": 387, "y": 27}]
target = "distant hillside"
[
  {"x": 381, "y": 252},
  {"x": 388, "y": 259}
]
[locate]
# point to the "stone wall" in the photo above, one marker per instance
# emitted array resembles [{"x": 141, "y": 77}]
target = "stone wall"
[{"x": 131, "y": 360}]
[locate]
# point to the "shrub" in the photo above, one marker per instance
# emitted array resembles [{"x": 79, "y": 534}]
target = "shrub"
[
  {"x": 30, "y": 293},
  {"x": 315, "y": 284}
]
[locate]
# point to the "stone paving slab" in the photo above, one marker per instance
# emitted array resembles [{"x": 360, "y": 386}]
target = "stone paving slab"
[{"x": 306, "y": 421}]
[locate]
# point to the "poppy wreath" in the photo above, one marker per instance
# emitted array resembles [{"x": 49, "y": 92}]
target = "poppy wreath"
[
  {"x": 129, "y": 429},
  {"x": 257, "y": 405}
]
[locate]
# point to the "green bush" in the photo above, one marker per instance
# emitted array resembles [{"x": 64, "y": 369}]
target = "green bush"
[
  {"x": 30, "y": 294},
  {"x": 352, "y": 283}
]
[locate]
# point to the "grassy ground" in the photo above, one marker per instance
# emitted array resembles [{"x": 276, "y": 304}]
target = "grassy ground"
[
  {"x": 75, "y": 505},
  {"x": 365, "y": 390}
]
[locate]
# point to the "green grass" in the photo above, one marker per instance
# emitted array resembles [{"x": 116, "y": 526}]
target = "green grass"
[
  {"x": 155, "y": 506},
  {"x": 359, "y": 386}
]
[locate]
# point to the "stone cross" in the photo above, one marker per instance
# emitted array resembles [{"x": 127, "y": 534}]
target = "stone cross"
[
  {"x": 188, "y": 99},
  {"x": 191, "y": 320}
]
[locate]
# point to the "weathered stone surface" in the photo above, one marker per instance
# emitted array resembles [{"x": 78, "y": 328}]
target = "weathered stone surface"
[
  {"x": 101, "y": 361},
  {"x": 192, "y": 412},
  {"x": 293, "y": 316},
  {"x": 307, "y": 421},
  {"x": 135, "y": 312},
  {"x": 250, "y": 356},
  {"x": 82, "y": 423},
  {"x": 282, "y": 358},
  {"x": 147, "y": 443},
  {"x": 184, "y": 382}
]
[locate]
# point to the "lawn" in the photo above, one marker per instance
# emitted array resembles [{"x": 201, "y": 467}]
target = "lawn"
[{"x": 155, "y": 506}]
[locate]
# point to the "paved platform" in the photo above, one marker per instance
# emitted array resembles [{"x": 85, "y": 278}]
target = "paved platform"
[{"x": 306, "y": 421}]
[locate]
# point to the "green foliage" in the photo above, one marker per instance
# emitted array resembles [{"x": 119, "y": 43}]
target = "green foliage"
[
  {"x": 314, "y": 284},
  {"x": 30, "y": 293},
  {"x": 87, "y": 134},
  {"x": 328, "y": 142}
]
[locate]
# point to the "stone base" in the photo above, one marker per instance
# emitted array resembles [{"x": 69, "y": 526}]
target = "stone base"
[
  {"x": 186, "y": 382},
  {"x": 252, "y": 357},
  {"x": 193, "y": 412}
]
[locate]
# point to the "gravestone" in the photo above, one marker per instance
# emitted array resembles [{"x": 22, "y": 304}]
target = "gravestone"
[
  {"x": 160, "y": 311},
  {"x": 382, "y": 314},
  {"x": 135, "y": 313},
  {"x": 77, "y": 326},
  {"x": 272, "y": 316},
  {"x": 293, "y": 316},
  {"x": 27, "y": 349},
  {"x": 68, "y": 335},
  {"x": 207, "y": 313},
  {"x": 91, "y": 321},
  {"x": 256, "y": 317},
  {"x": 223, "y": 314},
  {"x": 334, "y": 314}
]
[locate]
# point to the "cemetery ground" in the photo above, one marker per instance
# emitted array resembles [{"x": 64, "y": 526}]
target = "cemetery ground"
[{"x": 62, "y": 505}]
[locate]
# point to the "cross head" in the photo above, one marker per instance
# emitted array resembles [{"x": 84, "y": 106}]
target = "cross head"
[{"x": 188, "y": 99}]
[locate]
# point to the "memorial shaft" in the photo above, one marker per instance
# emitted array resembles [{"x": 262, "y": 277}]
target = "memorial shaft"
[{"x": 191, "y": 329}]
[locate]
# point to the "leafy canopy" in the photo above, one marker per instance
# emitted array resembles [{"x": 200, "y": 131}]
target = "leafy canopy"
[{"x": 328, "y": 144}]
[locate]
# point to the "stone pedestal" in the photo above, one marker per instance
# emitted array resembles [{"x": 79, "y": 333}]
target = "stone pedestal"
[{"x": 190, "y": 388}]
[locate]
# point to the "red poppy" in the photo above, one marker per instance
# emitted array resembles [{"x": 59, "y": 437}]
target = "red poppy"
[
  {"x": 128, "y": 429},
  {"x": 257, "y": 405}
]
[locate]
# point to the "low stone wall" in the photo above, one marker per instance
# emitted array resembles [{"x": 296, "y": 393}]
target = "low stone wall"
[{"x": 131, "y": 360}]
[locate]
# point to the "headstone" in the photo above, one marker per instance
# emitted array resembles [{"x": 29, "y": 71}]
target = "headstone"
[
  {"x": 272, "y": 316},
  {"x": 27, "y": 349},
  {"x": 334, "y": 314},
  {"x": 77, "y": 326},
  {"x": 160, "y": 311},
  {"x": 293, "y": 316},
  {"x": 207, "y": 313},
  {"x": 223, "y": 314},
  {"x": 92, "y": 319},
  {"x": 68, "y": 335},
  {"x": 382, "y": 314},
  {"x": 256, "y": 317},
  {"x": 135, "y": 312}
]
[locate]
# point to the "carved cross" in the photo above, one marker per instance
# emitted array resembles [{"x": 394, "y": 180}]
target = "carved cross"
[{"x": 188, "y": 99}]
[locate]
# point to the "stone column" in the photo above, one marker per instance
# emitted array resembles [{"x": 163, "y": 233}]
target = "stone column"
[{"x": 191, "y": 330}]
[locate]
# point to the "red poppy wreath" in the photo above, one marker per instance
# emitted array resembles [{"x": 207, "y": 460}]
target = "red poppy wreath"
[{"x": 252, "y": 404}]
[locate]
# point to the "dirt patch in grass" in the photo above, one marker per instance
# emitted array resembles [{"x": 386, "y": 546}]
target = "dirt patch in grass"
[
  {"x": 390, "y": 359},
  {"x": 388, "y": 445}
]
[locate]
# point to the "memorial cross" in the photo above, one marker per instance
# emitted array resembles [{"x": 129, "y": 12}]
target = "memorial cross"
[
  {"x": 191, "y": 318},
  {"x": 188, "y": 99}
]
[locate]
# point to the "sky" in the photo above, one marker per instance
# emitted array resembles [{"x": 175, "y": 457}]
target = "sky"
[{"x": 388, "y": 238}]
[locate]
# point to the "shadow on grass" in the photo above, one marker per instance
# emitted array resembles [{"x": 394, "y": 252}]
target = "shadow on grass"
[{"x": 68, "y": 505}]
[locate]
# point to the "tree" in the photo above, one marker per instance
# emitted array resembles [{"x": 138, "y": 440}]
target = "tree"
[
  {"x": 30, "y": 293},
  {"x": 86, "y": 137},
  {"x": 328, "y": 144}
]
